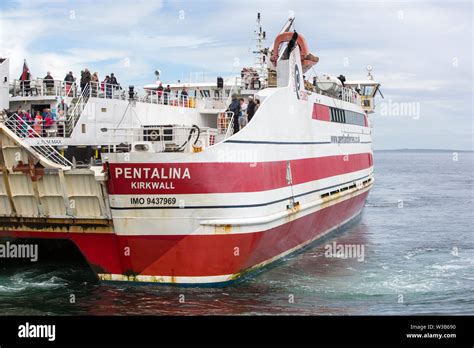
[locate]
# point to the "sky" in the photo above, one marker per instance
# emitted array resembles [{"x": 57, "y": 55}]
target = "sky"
[{"x": 420, "y": 51}]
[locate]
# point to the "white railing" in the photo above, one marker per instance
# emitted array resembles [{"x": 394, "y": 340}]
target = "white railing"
[
  {"x": 349, "y": 95},
  {"x": 73, "y": 116},
  {"x": 43, "y": 88},
  {"x": 230, "y": 128},
  {"x": 164, "y": 138},
  {"x": 170, "y": 99},
  {"x": 106, "y": 91},
  {"x": 225, "y": 124},
  {"x": 173, "y": 99},
  {"x": 110, "y": 91},
  {"x": 23, "y": 130}
]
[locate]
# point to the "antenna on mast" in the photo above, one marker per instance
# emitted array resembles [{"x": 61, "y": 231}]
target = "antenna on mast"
[{"x": 260, "y": 52}]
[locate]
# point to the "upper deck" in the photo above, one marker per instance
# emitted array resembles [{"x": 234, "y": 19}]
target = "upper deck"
[{"x": 41, "y": 89}]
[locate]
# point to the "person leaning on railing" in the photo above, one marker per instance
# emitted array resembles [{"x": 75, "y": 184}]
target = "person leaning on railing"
[
  {"x": 48, "y": 83},
  {"x": 69, "y": 80},
  {"x": 184, "y": 97},
  {"x": 24, "y": 122},
  {"x": 235, "y": 108},
  {"x": 38, "y": 123},
  {"x": 167, "y": 93},
  {"x": 114, "y": 83},
  {"x": 85, "y": 78},
  {"x": 250, "y": 109},
  {"x": 49, "y": 124},
  {"x": 95, "y": 84},
  {"x": 105, "y": 86},
  {"x": 159, "y": 92}
]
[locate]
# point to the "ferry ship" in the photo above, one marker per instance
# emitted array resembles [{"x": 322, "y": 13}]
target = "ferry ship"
[{"x": 161, "y": 188}]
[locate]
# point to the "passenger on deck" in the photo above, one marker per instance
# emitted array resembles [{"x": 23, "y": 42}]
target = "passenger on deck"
[
  {"x": 49, "y": 83},
  {"x": 95, "y": 84},
  {"x": 243, "y": 113},
  {"x": 257, "y": 105},
  {"x": 27, "y": 118},
  {"x": 69, "y": 79},
  {"x": 159, "y": 92},
  {"x": 250, "y": 109},
  {"x": 114, "y": 83},
  {"x": 38, "y": 125},
  {"x": 25, "y": 83},
  {"x": 62, "y": 106},
  {"x": 167, "y": 93},
  {"x": 48, "y": 119},
  {"x": 24, "y": 122},
  {"x": 106, "y": 87},
  {"x": 47, "y": 114},
  {"x": 62, "y": 112},
  {"x": 85, "y": 78},
  {"x": 235, "y": 108},
  {"x": 184, "y": 97}
]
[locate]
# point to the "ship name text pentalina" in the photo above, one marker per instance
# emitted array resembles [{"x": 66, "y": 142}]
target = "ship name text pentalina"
[{"x": 147, "y": 173}]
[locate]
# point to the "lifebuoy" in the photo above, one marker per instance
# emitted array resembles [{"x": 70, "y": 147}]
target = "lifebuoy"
[
  {"x": 154, "y": 135},
  {"x": 307, "y": 59}
]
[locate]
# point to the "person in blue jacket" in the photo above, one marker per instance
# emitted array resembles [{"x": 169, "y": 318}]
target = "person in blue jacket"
[{"x": 235, "y": 108}]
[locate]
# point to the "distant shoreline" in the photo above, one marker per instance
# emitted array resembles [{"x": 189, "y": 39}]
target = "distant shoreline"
[{"x": 423, "y": 150}]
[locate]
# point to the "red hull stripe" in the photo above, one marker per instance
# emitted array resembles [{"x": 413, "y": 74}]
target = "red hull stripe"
[
  {"x": 220, "y": 177},
  {"x": 320, "y": 112},
  {"x": 201, "y": 255}
]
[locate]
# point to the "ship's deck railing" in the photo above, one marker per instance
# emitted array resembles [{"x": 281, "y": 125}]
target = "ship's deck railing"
[
  {"x": 104, "y": 91},
  {"x": 74, "y": 114},
  {"x": 43, "y": 88},
  {"x": 24, "y": 130},
  {"x": 225, "y": 124},
  {"x": 110, "y": 91},
  {"x": 173, "y": 99},
  {"x": 349, "y": 95},
  {"x": 346, "y": 94},
  {"x": 169, "y": 138},
  {"x": 168, "y": 99},
  {"x": 56, "y": 88}
]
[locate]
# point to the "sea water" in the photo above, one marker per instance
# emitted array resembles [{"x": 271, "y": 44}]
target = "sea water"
[{"x": 411, "y": 251}]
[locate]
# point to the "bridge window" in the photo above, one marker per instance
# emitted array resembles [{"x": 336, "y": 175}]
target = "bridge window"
[{"x": 367, "y": 90}]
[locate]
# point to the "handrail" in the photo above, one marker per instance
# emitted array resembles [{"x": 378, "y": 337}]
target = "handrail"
[
  {"x": 106, "y": 90},
  {"x": 75, "y": 114},
  {"x": 176, "y": 135},
  {"x": 23, "y": 130},
  {"x": 349, "y": 95},
  {"x": 230, "y": 127},
  {"x": 42, "y": 87},
  {"x": 170, "y": 99}
]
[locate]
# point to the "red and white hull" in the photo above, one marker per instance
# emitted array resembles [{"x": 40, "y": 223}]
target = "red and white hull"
[
  {"x": 282, "y": 182},
  {"x": 291, "y": 176}
]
